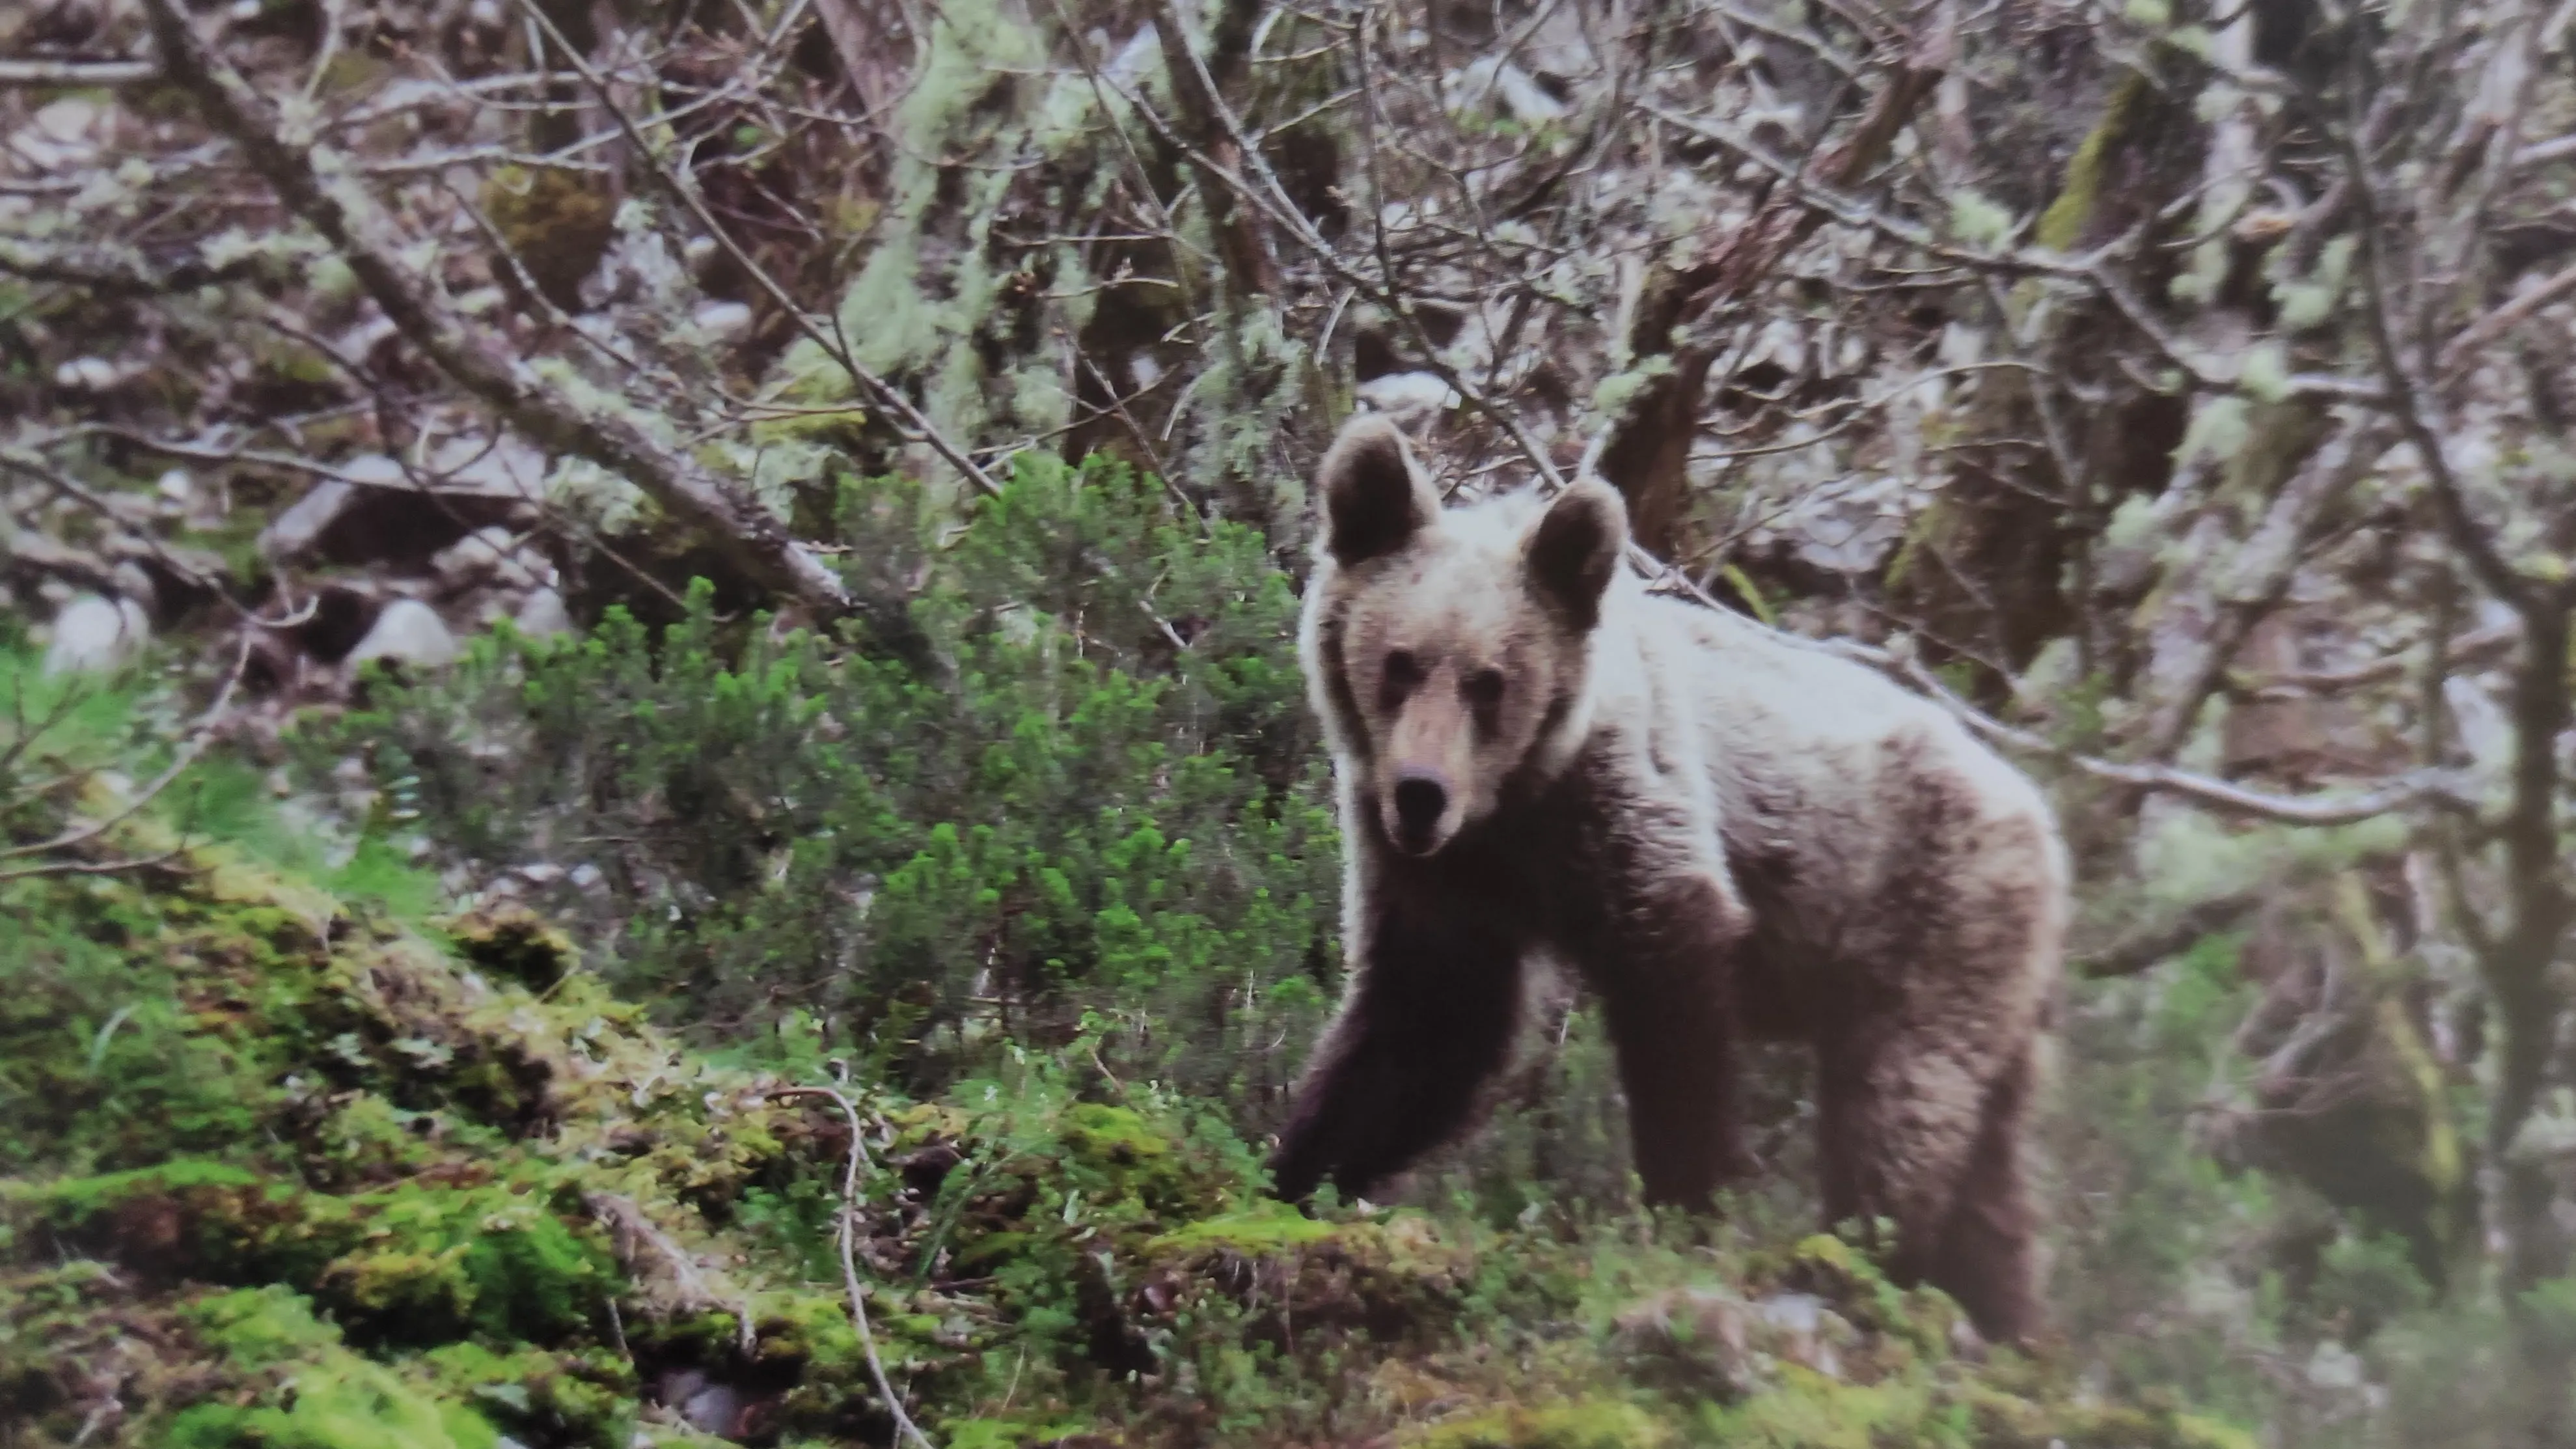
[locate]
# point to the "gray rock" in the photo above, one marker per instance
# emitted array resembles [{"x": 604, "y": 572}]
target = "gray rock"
[
  {"x": 373, "y": 510},
  {"x": 94, "y": 374},
  {"x": 96, "y": 634},
  {"x": 723, "y": 321},
  {"x": 1708, "y": 1341},
  {"x": 715, "y": 1409},
  {"x": 409, "y": 632},
  {"x": 1694, "y": 1339},
  {"x": 1496, "y": 82},
  {"x": 1407, "y": 396},
  {"x": 487, "y": 555},
  {"x": 543, "y": 616}
]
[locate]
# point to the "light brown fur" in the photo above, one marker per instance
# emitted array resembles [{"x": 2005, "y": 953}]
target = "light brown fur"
[{"x": 1722, "y": 830}]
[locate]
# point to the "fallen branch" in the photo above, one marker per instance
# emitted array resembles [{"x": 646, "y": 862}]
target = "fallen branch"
[
  {"x": 2461, "y": 350},
  {"x": 2144, "y": 949},
  {"x": 649, "y": 1255},
  {"x": 850, "y": 1263},
  {"x": 318, "y": 186}
]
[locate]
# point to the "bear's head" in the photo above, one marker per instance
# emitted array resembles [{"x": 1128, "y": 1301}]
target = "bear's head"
[{"x": 1449, "y": 650}]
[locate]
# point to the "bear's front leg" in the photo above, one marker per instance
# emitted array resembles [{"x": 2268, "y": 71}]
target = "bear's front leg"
[
  {"x": 1434, "y": 1001},
  {"x": 1667, "y": 983}
]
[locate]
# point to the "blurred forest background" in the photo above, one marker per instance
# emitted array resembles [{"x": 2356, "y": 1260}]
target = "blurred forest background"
[{"x": 650, "y": 698}]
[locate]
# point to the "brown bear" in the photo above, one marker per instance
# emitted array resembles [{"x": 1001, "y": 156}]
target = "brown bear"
[{"x": 1721, "y": 830}]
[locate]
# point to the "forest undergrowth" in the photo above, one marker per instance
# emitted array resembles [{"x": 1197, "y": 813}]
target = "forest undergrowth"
[{"x": 504, "y": 1095}]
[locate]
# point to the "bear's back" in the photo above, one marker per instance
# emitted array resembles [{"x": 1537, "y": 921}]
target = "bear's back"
[{"x": 1831, "y": 780}]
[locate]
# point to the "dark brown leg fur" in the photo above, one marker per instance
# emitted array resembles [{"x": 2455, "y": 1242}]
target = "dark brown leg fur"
[
  {"x": 1984, "y": 1255},
  {"x": 1668, "y": 1002},
  {"x": 1908, "y": 1134},
  {"x": 1403, "y": 1067}
]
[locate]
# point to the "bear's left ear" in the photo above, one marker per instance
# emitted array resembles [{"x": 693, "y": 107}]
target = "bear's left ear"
[{"x": 1576, "y": 548}]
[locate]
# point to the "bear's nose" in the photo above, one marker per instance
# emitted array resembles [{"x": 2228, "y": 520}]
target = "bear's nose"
[{"x": 1420, "y": 798}]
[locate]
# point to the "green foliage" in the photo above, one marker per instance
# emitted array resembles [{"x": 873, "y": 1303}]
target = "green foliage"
[
  {"x": 1576, "y": 1424},
  {"x": 413, "y": 1262},
  {"x": 339, "y": 1182},
  {"x": 1115, "y": 804}
]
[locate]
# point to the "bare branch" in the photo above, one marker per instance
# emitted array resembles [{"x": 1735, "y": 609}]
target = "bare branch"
[
  {"x": 22, "y": 70},
  {"x": 315, "y": 183},
  {"x": 2461, "y": 350},
  {"x": 2154, "y": 945},
  {"x": 2422, "y": 787},
  {"x": 833, "y": 344}
]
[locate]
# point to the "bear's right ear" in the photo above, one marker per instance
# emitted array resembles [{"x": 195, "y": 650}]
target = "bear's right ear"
[
  {"x": 1374, "y": 501},
  {"x": 1575, "y": 550}
]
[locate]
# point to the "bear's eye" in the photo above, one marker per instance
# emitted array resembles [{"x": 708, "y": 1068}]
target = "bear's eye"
[
  {"x": 1403, "y": 671},
  {"x": 1484, "y": 688}
]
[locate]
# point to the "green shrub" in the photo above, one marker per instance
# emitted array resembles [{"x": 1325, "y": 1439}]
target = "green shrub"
[{"x": 1112, "y": 802}]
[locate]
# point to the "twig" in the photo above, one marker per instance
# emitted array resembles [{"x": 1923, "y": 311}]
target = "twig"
[
  {"x": 92, "y": 867},
  {"x": 834, "y": 345},
  {"x": 2343, "y": 808},
  {"x": 849, "y": 1260},
  {"x": 315, "y": 184},
  {"x": 2487, "y": 329},
  {"x": 2450, "y": 499},
  {"x": 627, "y": 1221}
]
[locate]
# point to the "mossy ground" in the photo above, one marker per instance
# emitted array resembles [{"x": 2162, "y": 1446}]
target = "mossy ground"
[{"x": 285, "y": 1172}]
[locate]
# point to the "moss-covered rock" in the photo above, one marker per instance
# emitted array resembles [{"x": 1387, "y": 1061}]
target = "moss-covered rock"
[
  {"x": 1392, "y": 1279},
  {"x": 557, "y": 223},
  {"x": 1572, "y": 1424}
]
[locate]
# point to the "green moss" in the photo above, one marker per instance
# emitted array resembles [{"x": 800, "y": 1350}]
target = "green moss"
[
  {"x": 2004, "y": 1420},
  {"x": 1575, "y": 1424},
  {"x": 1009, "y": 1433},
  {"x": 515, "y": 944},
  {"x": 414, "y": 1262},
  {"x": 2063, "y": 226},
  {"x": 257, "y": 1328},
  {"x": 434, "y": 1264},
  {"x": 341, "y": 1402},
  {"x": 298, "y": 1387},
  {"x": 1267, "y": 1227},
  {"x": 557, "y": 222},
  {"x": 1805, "y": 1409},
  {"x": 572, "y": 1398}
]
